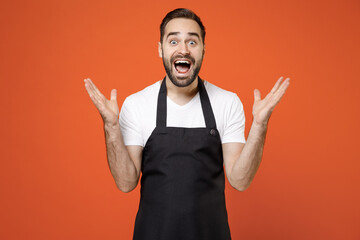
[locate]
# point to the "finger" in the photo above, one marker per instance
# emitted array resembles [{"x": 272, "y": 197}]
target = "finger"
[
  {"x": 95, "y": 100},
  {"x": 257, "y": 95},
  {"x": 281, "y": 92},
  {"x": 284, "y": 84},
  {"x": 88, "y": 87},
  {"x": 91, "y": 90},
  {"x": 100, "y": 99},
  {"x": 95, "y": 90},
  {"x": 277, "y": 84},
  {"x": 274, "y": 89},
  {"x": 113, "y": 94},
  {"x": 277, "y": 88},
  {"x": 94, "y": 95}
]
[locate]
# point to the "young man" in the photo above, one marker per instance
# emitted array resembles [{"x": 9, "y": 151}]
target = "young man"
[{"x": 179, "y": 133}]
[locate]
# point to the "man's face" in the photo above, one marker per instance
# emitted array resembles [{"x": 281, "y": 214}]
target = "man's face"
[{"x": 182, "y": 51}]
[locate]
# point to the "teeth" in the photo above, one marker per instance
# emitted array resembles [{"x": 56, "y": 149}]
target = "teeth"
[{"x": 182, "y": 61}]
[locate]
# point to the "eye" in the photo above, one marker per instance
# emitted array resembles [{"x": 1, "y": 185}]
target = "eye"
[
  {"x": 173, "y": 42},
  {"x": 192, "y": 42}
]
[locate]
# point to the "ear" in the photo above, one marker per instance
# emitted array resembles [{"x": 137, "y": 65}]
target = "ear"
[{"x": 160, "y": 49}]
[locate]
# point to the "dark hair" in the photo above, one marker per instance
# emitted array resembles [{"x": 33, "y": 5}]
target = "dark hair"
[{"x": 181, "y": 13}]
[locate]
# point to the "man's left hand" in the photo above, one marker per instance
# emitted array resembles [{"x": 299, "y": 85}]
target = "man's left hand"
[{"x": 262, "y": 109}]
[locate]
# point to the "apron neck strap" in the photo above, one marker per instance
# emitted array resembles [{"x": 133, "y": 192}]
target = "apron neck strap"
[{"x": 205, "y": 105}]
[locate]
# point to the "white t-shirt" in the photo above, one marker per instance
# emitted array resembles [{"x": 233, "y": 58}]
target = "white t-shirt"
[{"x": 138, "y": 114}]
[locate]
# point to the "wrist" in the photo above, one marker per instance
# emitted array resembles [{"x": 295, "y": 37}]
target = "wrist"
[
  {"x": 112, "y": 132},
  {"x": 259, "y": 125},
  {"x": 110, "y": 126}
]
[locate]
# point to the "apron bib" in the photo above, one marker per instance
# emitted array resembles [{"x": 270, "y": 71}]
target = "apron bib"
[{"x": 183, "y": 182}]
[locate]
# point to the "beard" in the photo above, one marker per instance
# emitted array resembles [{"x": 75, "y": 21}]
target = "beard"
[{"x": 182, "y": 81}]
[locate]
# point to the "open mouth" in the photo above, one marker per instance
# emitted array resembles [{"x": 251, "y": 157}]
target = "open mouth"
[{"x": 182, "y": 66}]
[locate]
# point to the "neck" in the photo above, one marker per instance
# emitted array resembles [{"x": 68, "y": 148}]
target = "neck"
[{"x": 181, "y": 95}]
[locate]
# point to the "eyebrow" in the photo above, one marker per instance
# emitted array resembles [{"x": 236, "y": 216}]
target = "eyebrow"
[
  {"x": 194, "y": 34},
  {"x": 189, "y": 33}
]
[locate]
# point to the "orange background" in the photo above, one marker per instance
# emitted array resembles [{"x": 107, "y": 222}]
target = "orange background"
[{"x": 55, "y": 182}]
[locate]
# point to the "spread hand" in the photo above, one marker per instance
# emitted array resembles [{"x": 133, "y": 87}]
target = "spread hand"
[
  {"x": 108, "y": 109},
  {"x": 262, "y": 109}
]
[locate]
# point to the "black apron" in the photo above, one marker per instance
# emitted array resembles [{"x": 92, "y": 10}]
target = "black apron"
[{"x": 183, "y": 182}]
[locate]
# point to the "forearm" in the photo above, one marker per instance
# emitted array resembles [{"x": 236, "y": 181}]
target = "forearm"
[
  {"x": 121, "y": 166},
  {"x": 246, "y": 166}
]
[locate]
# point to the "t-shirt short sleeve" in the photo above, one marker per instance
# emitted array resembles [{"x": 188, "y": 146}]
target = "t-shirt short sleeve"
[
  {"x": 234, "y": 125},
  {"x": 129, "y": 124}
]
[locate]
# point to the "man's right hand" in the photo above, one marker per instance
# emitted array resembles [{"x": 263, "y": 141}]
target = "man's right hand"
[{"x": 108, "y": 109}]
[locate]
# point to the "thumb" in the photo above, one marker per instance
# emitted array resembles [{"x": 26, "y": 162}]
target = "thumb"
[
  {"x": 113, "y": 94},
  {"x": 257, "y": 95}
]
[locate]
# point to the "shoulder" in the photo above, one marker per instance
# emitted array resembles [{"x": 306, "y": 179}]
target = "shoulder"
[
  {"x": 224, "y": 103},
  {"x": 142, "y": 100},
  {"x": 219, "y": 95},
  {"x": 146, "y": 94},
  {"x": 141, "y": 104}
]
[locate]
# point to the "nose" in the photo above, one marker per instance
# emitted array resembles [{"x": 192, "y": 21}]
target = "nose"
[{"x": 183, "y": 48}]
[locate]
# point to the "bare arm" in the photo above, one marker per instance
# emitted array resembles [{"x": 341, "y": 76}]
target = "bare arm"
[
  {"x": 243, "y": 160},
  {"x": 124, "y": 162}
]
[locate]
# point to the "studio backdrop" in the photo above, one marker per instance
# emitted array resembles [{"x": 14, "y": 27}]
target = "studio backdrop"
[{"x": 55, "y": 182}]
